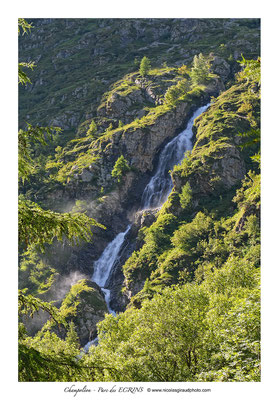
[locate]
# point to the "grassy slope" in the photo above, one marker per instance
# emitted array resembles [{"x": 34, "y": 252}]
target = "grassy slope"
[{"x": 78, "y": 59}]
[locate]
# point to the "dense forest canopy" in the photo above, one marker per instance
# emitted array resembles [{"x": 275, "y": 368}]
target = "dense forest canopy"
[{"x": 99, "y": 100}]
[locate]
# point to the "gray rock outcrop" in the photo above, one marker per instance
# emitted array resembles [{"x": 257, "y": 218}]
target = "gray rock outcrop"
[{"x": 90, "y": 310}]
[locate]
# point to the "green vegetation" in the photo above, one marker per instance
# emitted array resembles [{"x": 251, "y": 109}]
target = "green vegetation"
[
  {"x": 194, "y": 242},
  {"x": 188, "y": 333},
  {"x": 38, "y": 227},
  {"x": 92, "y": 129},
  {"x": 193, "y": 282},
  {"x": 75, "y": 80},
  {"x": 200, "y": 72},
  {"x": 121, "y": 167},
  {"x": 171, "y": 86},
  {"x": 35, "y": 274},
  {"x": 206, "y": 327},
  {"x": 46, "y": 357},
  {"x": 186, "y": 196},
  {"x": 144, "y": 66},
  {"x": 64, "y": 173},
  {"x": 176, "y": 91}
]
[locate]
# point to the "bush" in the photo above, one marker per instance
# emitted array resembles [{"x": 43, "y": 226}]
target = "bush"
[
  {"x": 92, "y": 129},
  {"x": 183, "y": 70}
]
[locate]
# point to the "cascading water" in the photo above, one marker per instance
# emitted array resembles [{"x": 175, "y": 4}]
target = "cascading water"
[
  {"x": 102, "y": 269},
  {"x": 154, "y": 195},
  {"x": 104, "y": 265},
  {"x": 160, "y": 185}
]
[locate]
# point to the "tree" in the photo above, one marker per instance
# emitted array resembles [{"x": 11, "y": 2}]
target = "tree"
[
  {"x": 144, "y": 66},
  {"x": 121, "y": 167},
  {"x": 172, "y": 95},
  {"x": 24, "y": 27},
  {"x": 183, "y": 70},
  {"x": 200, "y": 70},
  {"x": 162, "y": 341},
  {"x": 186, "y": 195},
  {"x": 37, "y": 227},
  {"x": 176, "y": 92},
  {"x": 251, "y": 69}
]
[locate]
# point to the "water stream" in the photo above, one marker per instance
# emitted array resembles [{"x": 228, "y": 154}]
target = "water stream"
[
  {"x": 154, "y": 195},
  {"x": 104, "y": 265},
  {"x": 160, "y": 185}
]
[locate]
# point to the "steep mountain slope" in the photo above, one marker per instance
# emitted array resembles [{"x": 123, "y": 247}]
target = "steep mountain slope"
[
  {"x": 204, "y": 186},
  {"x": 202, "y": 248},
  {"x": 193, "y": 285},
  {"x": 77, "y": 59},
  {"x": 79, "y": 176}
]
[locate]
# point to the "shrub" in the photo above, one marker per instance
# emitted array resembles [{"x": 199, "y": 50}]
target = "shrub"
[
  {"x": 92, "y": 129},
  {"x": 183, "y": 70}
]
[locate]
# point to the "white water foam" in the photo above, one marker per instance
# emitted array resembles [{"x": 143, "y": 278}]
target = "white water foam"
[
  {"x": 160, "y": 185},
  {"x": 104, "y": 265}
]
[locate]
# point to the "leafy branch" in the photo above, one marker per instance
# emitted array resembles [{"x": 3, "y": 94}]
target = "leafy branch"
[
  {"x": 32, "y": 134},
  {"x": 38, "y": 226}
]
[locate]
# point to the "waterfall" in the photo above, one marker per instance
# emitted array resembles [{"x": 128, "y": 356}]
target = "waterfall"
[
  {"x": 102, "y": 268},
  {"x": 160, "y": 185},
  {"x": 104, "y": 265},
  {"x": 154, "y": 195}
]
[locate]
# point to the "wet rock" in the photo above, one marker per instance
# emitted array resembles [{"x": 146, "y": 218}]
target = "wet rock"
[{"x": 145, "y": 218}]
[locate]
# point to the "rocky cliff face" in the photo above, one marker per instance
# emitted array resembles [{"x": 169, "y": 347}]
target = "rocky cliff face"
[
  {"x": 140, "y": 146},
  {"x": 214, "y": 170},
  {"x": 144, "y": 132},
  {"x": 218, "y": 162}
]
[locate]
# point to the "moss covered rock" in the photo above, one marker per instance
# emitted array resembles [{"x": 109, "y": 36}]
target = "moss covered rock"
[{"x": 89, "y": 308}]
